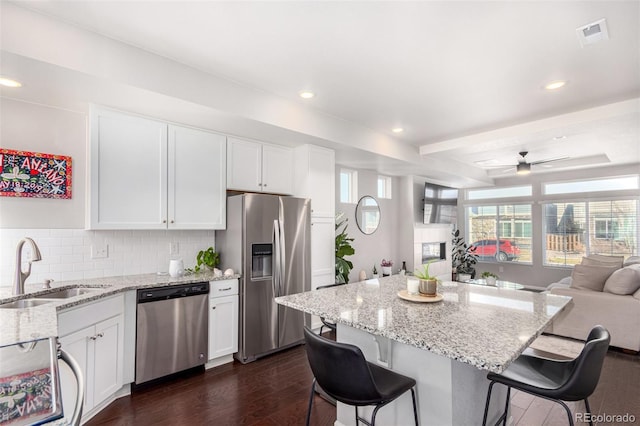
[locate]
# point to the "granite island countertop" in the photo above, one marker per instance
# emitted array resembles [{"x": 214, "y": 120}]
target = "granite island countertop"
[
  {"x": 21, "y": 325},
  {"x": 486, "y": 327}
]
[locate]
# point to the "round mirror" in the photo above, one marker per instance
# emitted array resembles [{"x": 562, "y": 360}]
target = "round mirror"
[{"x": 368, "y": 215}]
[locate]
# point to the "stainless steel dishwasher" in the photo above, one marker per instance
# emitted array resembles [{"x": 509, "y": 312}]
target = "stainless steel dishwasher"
[{"x": 172, "y": 330}]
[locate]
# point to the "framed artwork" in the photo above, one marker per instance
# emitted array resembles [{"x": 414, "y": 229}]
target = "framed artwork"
[{"x": 34, "y": 174}]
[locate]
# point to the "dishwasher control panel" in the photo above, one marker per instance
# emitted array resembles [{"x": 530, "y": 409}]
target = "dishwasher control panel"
[{"x": 172, "y": 292}]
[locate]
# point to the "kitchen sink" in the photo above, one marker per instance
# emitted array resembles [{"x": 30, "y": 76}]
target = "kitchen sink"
[
  {"x": 66, "y": 293},
  {"x": 24, "y": 303}
]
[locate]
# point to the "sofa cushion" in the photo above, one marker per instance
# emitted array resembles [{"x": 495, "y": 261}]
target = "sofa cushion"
[
  {"x": 601, "y": 260},
  {"x": 631, "y": 260},
  {"x": 624, "y": 281},
  {"x": 590, "y": 277}
]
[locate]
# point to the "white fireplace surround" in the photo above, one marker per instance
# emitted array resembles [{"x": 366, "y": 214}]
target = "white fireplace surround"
[{"x": 434, "y": 234}]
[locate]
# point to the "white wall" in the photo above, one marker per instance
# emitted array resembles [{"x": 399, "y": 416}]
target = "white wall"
[
  {"x": 40, "y": 128},
  {"x": 371, "y": 249}
]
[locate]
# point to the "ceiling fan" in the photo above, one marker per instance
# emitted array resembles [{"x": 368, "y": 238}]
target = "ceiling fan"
[{"x": 524, "y": 167}]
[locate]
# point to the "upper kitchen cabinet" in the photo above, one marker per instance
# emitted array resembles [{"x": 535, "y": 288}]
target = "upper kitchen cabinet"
[
  {"x": 314, "y": 171},
  {"x": 147, "y": 174},
  {"x": 197, "y": 179},
  {"x": 259, "y": 167}
]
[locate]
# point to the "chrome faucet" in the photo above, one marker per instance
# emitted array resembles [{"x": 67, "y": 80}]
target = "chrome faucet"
[{"x": 21, "y": 277}]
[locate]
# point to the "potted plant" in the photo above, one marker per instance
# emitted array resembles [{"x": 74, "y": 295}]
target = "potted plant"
[
  {"x": 490, "y": 277},
  {"x": 207, "y": 259},
  {"x": 428, "y": 283},
  {"x": 343, "y": 249},
  {"x": 375, "y": 272},
  {"x": 463, "y": 257},
  {"x": 386, "y": 267}
]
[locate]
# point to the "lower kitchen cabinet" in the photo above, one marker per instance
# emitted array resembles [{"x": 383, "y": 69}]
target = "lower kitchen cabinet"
[
  {"x": 223, "y": 318},
  {"x": 93, "y": 335}
]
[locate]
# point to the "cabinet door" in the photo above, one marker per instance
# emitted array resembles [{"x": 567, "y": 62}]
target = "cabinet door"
[
  {"x": 322, "y": 181},
  {"x": 197, "y": 179},
  {"x": 323, "y": 250},
  {"x": 77, "y": 345},
  {"x": 128, "y": 172},
  {"x": 244, "y": 165},
  {"x": 108, "y": 358},
  {"x": 223, "y": 326},
  {"x": 277, "y": 169}
]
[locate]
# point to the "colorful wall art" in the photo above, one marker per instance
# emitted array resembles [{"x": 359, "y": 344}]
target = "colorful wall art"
[{"x": 33, "y": 174}]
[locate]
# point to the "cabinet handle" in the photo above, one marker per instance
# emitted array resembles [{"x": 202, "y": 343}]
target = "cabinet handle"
[
  {"x": 264, "y": 184},
  {"x": 100, "y": 334},
  {"x": 224, "y": 289},
  {"x": 172, "y": 221},
  {"x": 259, "y": 184},
  {"x": 93, "y": 337},
  {"x": 164, "y": 221},
  {"x": 213, "y": 307}
]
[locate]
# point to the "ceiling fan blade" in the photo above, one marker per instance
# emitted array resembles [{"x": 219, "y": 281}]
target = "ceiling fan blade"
[
  {"x": 500, "y": 172},
  {"x": 549, "y": 160}
]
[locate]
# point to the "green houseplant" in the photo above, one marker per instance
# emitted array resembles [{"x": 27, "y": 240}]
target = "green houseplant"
[
  {"x": 343, "y": 249},
  {"x": 207, "y": 258},
  {"x": 428, "y": 283},
  {"x": 463, "y": 255},
  {"x": 490, "y": 277}
]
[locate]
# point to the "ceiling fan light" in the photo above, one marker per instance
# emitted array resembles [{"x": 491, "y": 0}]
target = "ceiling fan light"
[{"x": 523, "y": 169}]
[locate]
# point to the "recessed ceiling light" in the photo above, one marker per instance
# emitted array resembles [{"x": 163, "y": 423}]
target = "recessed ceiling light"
[
  {"x": 559, "y": 138},
  {"x": 306, "y": 94},
  {"x": 554, "y": 85},
  {"x": 9, "y": 82},
  {"x": 397, "y": 130}
]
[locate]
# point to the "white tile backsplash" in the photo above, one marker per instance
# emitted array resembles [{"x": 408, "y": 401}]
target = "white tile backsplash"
[{"x": 66, "y": 253}]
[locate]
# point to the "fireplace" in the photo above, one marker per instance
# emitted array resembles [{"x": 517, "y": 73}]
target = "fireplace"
[{"x": 434, "y": 251}]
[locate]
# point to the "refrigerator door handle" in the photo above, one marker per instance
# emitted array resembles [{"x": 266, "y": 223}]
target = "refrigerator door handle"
[
  {"x": 283, "y": 261},
  {"x": 275, "y": 281}
]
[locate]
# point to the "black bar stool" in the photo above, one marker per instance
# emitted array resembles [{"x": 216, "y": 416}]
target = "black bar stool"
[
  {"x": 344, "y": 374},
  {"x": 555, "y": 380}
]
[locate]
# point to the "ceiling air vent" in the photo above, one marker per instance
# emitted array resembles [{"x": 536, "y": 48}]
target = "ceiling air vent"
[{"x": 593, "y": 32}]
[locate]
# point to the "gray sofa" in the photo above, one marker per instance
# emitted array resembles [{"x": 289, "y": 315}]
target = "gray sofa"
[{"x": 616, "y": 305}]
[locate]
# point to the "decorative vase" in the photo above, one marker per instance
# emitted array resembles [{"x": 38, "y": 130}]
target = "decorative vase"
[
  {"x": 428, "y": 287},
  {"x": 386, "y": 271},
  {"x": 491, "y": 280},
  {"x": 463, "y": 277}
]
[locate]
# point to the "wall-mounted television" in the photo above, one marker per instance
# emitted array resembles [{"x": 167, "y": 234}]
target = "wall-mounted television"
[{"x": 440, "y": 204}]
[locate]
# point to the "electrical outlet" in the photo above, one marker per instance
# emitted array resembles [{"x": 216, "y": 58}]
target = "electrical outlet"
[
  {"x": 174, "y": 248},
  {"x": 99, "y": 251}
]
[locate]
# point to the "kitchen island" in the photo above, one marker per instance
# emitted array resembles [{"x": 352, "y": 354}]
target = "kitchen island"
[{"x": 447, "y": 346}]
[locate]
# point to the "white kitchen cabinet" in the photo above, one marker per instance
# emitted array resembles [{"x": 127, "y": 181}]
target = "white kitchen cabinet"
[
  {"x": 314, "y": 177},
  {"x": 197, "y": 179},
  {"x": 259, "y": 167},
  {"x": 94, "y": 336},
  {"x": 147, "y": 174},
  {"x": 223, "y": 319}
]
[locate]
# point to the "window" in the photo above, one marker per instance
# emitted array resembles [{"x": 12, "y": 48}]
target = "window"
[
  {"x": 501, "y": 232},
  {"x": 574, "y": 230},
  {"x": 506, "y": 192},
  {"x": 609, "y": 184},
  {"x": 348, "y": 186},
  {"x": 384, "y": 187}
]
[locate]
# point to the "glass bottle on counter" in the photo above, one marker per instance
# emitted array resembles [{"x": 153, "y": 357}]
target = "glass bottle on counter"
[{"x": 403, "y": 270}]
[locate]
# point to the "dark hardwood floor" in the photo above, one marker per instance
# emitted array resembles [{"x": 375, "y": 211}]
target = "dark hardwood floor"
[
  {"x": 274, "y": 391},
  {"x": 270, "y": 391}
]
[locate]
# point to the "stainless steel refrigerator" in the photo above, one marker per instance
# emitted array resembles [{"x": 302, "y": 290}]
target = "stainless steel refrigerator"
[{"x": 268, "y": 240}]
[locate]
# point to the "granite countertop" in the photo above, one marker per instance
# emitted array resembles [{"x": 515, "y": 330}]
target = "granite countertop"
[
  {"x": 21, "y": 325},
  {"x": 486, "y": 327}
]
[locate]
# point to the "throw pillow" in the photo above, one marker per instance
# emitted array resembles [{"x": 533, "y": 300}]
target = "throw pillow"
[
  {"x": 624, "y": 281},
  {"x": 590, "y": 277},
  {"x": 600, "y": 260}
]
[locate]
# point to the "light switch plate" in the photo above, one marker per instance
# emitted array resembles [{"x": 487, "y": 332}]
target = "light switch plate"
[{"x": 174, "y": 248}]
